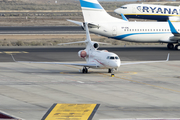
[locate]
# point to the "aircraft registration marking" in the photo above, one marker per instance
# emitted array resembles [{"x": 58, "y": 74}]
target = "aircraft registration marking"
[{"x": 71, "y": 112}]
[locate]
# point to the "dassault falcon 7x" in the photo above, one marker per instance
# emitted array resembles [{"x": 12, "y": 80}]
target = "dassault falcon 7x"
[
  {"x": 95, "y": 58},
  {"x": 100, "y": 22},
  {"x": 150, "y": 11}
]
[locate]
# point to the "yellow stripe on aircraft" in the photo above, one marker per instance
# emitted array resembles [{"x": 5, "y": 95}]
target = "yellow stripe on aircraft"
[{"x": 71, "y": 112}]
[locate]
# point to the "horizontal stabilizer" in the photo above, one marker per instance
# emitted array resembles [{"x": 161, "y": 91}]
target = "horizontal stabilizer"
[
  {"x": 76, "y": 22},
  {"x": 72, "y": 43}
]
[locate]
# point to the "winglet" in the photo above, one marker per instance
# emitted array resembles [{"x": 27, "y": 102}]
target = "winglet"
[
  {"x": 13, "y": 58},
  {"x": 124, "y": 18},
  {"x": 168, "y": 57},
  {"x": 172, "y": 28}
]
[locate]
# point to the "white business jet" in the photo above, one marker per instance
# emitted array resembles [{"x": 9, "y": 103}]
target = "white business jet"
[
  {"x": 149, "y": 11},
  {"x": 100, "y": 22},
  {"x": 95, "y": 58}
]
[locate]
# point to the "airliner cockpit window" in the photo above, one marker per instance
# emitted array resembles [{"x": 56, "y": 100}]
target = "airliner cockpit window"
[
  {"x": 116, "y": 57},
  {"x": 112, "y": 58},
  {"x": 124, "y": 7},
  {"x": 108, "y": 57}
]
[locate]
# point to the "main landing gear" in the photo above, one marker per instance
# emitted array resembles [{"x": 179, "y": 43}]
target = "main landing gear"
[
  {"x": 171, "y": 46},
  {"x": 84, "y": 70}
]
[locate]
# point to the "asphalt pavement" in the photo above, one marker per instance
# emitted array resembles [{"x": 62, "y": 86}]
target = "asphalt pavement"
[{"x": 66, "y": 54}]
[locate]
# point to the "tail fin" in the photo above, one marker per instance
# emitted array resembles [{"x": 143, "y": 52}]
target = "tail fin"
[{"x": 94, "y": 12}]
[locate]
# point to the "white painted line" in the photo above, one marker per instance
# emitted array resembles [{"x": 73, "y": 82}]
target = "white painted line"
[{"x": 80, "y": 82}]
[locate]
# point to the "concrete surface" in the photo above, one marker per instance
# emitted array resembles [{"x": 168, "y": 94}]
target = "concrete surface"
[{"x": 136, "y": 91}]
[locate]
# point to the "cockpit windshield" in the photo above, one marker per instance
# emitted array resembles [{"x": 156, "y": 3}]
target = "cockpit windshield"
[
  {"x": 123, "y": 7},
  {"x": 116, "y": 57},
  {"x": 113, "y": 57}
]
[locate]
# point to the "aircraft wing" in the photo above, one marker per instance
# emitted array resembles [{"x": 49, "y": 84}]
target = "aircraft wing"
[
  {"x": 133, "y": 63},
  {"x": 59, "y": 63}
]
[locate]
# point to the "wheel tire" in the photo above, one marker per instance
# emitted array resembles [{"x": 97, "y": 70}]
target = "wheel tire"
[
  {"x": 83, "y": 70},
  {"x": 86, "y": 70},
  {"x": 170, "y": 46},
  {"x": 176, "y": 47},
  {"x": 109, "y": 71}
]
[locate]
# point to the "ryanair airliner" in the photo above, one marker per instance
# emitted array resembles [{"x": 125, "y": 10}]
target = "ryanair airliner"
[
  {"x": 100, "y": 22},
  {"x": 149, "y": 11}
]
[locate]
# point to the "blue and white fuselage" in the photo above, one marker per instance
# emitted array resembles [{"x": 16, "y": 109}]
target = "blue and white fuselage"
[
  {"x": 100, "y": 22},
  {"x": 149, "y": 11},
  {"x": 138, "y": 32}
]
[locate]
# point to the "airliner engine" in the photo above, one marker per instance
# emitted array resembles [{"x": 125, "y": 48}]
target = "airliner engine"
[
  {"x": 95, "y": 45},
  {"x": 82, "y": 54}
]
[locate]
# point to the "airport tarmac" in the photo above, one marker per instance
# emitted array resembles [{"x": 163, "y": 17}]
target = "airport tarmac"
[
  {"x": 42, "y": 30},
  {"x": 137, "y": 91}
]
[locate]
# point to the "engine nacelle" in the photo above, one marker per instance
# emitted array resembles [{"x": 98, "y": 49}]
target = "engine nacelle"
[
  {"x": 82, "y": 54},
  {"x": 95, "y": 45}
]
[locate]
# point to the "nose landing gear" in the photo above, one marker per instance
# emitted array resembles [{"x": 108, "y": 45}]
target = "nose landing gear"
[{"x": 111, "y": 71}]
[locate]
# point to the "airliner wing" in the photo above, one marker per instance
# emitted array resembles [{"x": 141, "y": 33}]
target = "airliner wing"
[{"x": 133, "y": 63}]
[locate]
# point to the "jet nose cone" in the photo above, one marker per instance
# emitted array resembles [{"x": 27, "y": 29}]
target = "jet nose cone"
[{"x": 116, "y": 64}]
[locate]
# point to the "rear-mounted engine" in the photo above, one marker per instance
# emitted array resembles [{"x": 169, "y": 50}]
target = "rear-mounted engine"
[{"x": 82, "y": 54}]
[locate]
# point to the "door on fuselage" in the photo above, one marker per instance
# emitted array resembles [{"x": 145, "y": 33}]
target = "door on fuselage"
[{"x": 114, "y": 31}]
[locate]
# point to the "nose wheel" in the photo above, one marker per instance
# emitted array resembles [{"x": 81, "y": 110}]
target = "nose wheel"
[
  {"x": 111, "y": 71},
  {"x": 84, "y": 70}
]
